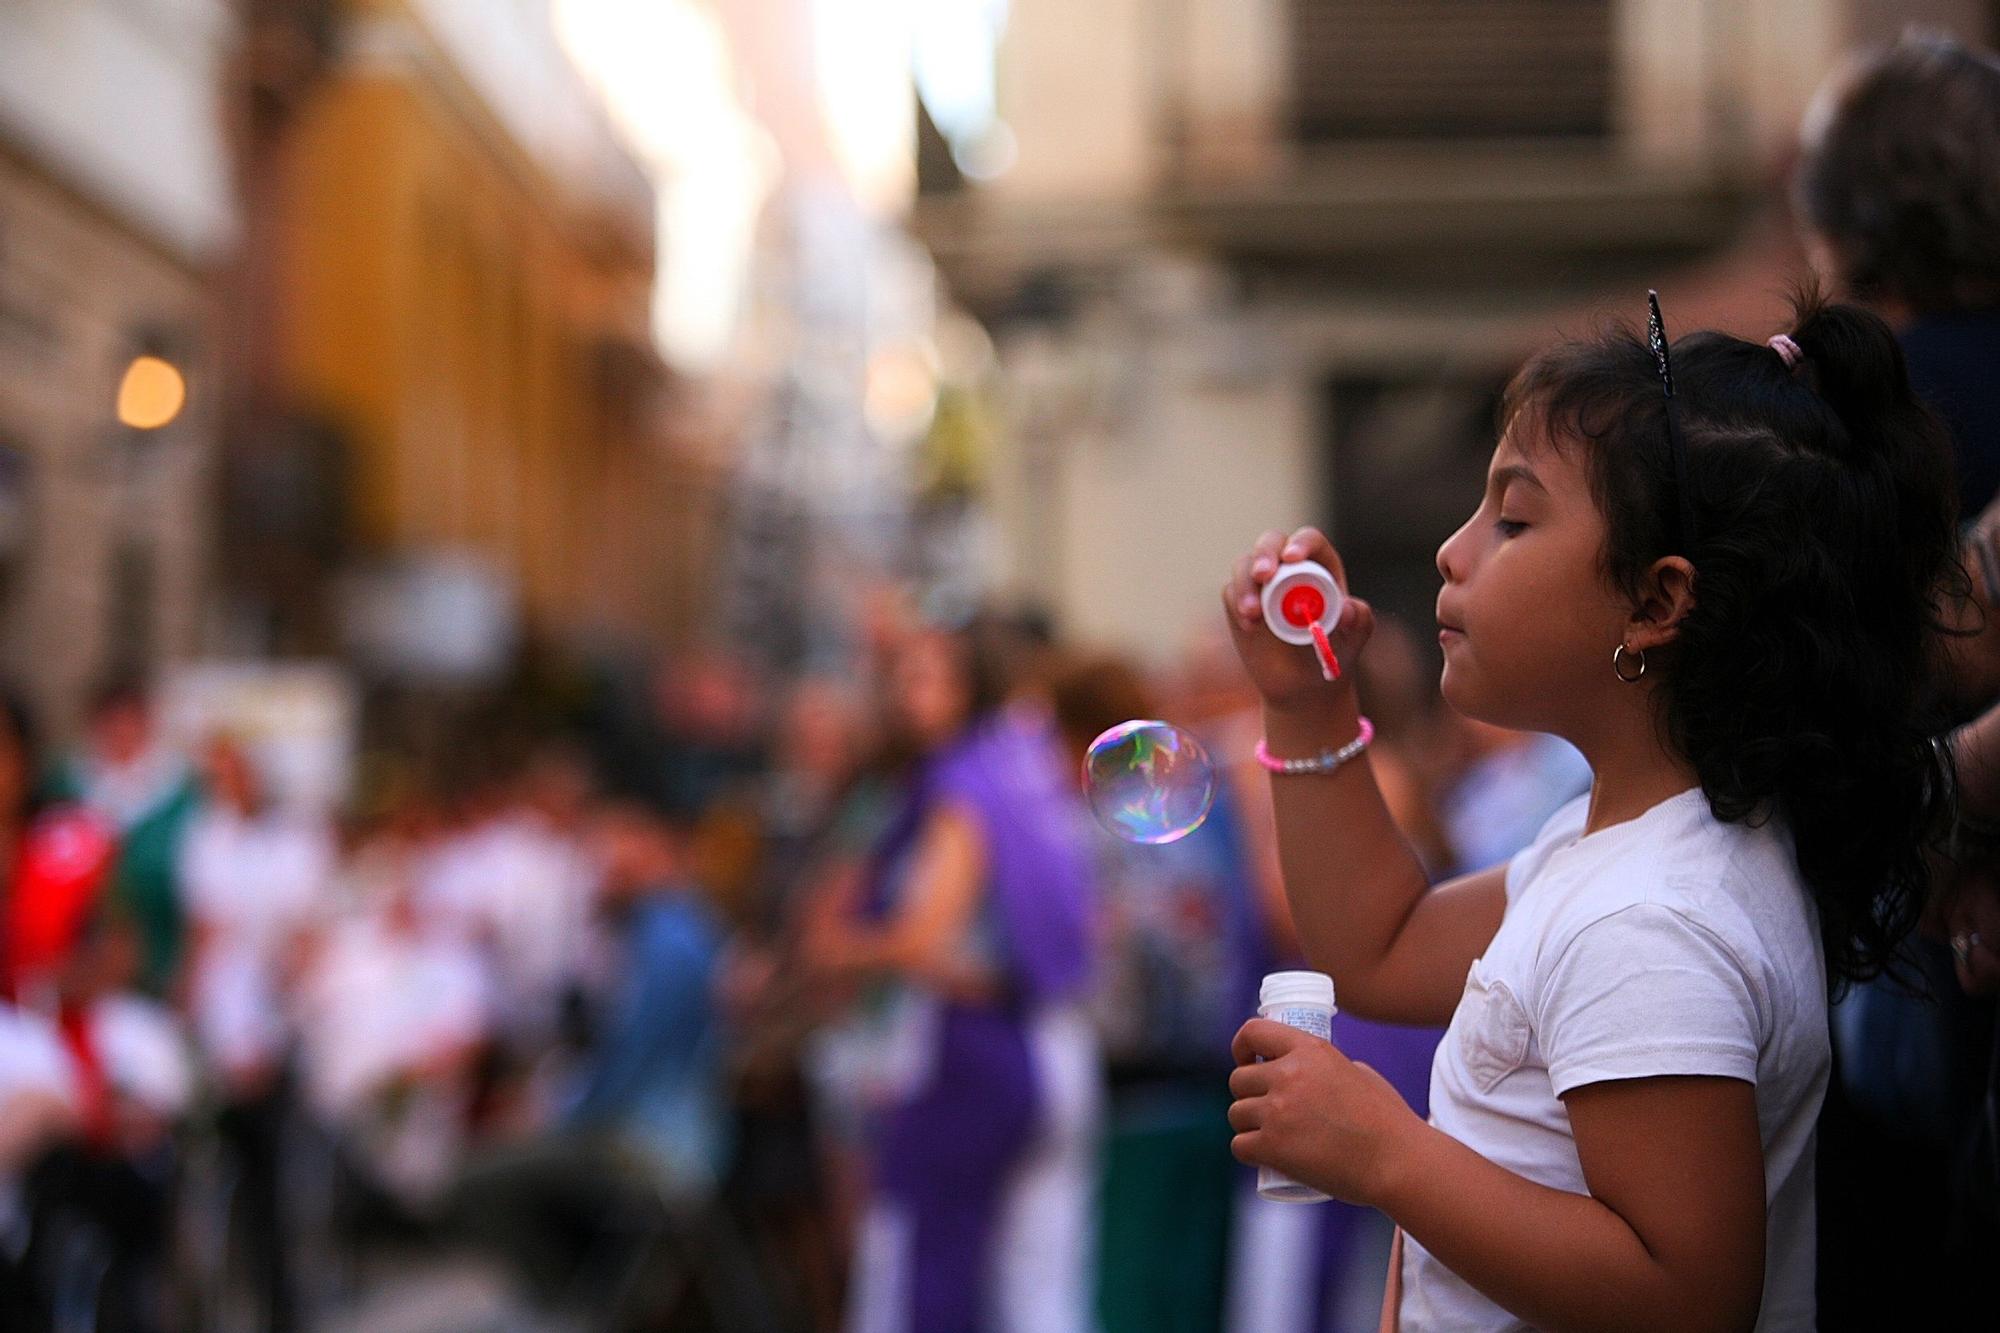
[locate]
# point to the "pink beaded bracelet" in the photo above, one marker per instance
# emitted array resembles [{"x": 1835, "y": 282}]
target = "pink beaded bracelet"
[{"x": 1326, "y": 761}]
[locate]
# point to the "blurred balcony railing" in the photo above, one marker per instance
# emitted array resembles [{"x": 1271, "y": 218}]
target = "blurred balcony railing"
[
  {"x": 1450, "y": 69},
  {"x": 1404, "y": 142}
]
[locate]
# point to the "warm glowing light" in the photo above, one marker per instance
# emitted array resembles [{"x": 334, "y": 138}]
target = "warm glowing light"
[
  {"x": 902, "y": 390},
  {"x": 151, "y": 395}
]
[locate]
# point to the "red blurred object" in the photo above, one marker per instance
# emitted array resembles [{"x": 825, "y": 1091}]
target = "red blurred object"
[{"x": 64, "y": 862}]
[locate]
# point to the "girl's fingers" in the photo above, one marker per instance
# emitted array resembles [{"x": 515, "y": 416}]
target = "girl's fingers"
[
  {"x": 1241, "y": 596},
  {"x": 1312, "y": 544},
  {"x": 1249, "y": 1081},
  {"x": 1248, "y": 1148},
  {"x": 1246, "y": 1116},
  {"x": 1304, "y": 544},
  {"x": 1356, "y": 618},
  {"x": 1265, "y": 557},
  {"x": 1263, "y": 1037},
  {"x": 1977, "y": 962}
]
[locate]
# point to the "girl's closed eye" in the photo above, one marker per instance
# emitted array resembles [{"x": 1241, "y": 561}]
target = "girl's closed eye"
[{"x": 1508, "y": 527}]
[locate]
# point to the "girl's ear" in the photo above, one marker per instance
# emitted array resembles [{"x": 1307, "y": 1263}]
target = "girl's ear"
[{"x": 1666, "y": 595}]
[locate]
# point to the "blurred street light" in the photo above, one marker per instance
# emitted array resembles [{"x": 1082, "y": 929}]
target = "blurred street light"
[{"x": 151, "y": 394}]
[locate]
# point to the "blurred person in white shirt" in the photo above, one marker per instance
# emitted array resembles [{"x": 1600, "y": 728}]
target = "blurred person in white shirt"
[
  {"x": 40, "y": 1106},
  {"x": 395, "y": 1010},
  {"x": 514, "y": 882},
  {"x": 107, "y": 1190},
  {"x": 257, "y": 878}
]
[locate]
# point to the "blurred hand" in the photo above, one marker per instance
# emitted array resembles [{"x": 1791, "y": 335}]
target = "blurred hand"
[
  {"x": 30, "y": 1120},
  {"x": 1973, "y": 652},
  {"x": 1288, "y": 675},
  {"x": 1314, "y": 1114},
  {"x": 746, "y": 980},
  {"x": 1982, "y": 554},
  {"x": 1972, "y": 924}
]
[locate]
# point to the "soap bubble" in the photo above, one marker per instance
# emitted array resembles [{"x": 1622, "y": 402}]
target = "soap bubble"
[{"x": 1149, "y": 782}]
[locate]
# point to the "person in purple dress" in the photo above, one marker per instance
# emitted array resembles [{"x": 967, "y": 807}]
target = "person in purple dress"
[{"x": 973, "y": 930}]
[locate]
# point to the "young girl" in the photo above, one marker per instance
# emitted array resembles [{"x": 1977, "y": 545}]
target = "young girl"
[{"x": 1719, "y": 581}]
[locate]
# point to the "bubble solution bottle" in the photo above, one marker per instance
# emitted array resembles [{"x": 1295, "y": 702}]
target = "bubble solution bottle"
[
  {"x": 1302, "y": 1000},
  {"x": 1302, "y": 605},
  {"x": 1300, "y": 595}
]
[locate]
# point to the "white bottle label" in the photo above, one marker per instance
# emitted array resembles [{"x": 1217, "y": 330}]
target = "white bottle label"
[{"x": 1306, "y": 1018}]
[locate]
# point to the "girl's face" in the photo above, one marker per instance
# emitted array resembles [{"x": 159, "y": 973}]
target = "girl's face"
[{"x": 1527, "y": 620}]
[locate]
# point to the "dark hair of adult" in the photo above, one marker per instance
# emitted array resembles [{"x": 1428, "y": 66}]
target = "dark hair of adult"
[
  {"x": 990, "y": 655},
  {"x": 117, "y": 692},
  {"x": 18, "y": 720},
  {"x": 1901, "y": 175},
  {"x": 1824, "y": 552},
  {"x": 1091, "y": 693}
]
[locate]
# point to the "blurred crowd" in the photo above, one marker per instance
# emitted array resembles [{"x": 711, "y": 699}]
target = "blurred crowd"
[{"x": 737, "y": 1002}]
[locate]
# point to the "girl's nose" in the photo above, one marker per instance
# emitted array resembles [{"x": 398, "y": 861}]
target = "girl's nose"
[{"x": 1450, "y": 564}]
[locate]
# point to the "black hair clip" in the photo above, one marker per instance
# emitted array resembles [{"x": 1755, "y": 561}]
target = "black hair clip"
[{"x": 1656, "y": 338}]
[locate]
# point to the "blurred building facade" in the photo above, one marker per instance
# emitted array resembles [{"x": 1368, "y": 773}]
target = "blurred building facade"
[
  {"x": 466, "y": 261},
  {"x": 1253, "y": 263},
  {"x": 838, "y": 345},
  {"x": 116, "y": 211}
]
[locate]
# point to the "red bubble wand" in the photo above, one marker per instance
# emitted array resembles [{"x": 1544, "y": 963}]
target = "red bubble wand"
[{"x": 1303, "y": 607}]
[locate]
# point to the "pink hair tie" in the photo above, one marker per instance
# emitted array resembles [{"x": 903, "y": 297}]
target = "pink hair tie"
[{"x": 1788, "y": 351}]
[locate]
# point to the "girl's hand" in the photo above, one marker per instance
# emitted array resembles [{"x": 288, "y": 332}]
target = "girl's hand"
[
  {"x": 1314, "y": 1114},
  {"x": 1972, "y": 923},
  {"x": 1288, "y": 675}
]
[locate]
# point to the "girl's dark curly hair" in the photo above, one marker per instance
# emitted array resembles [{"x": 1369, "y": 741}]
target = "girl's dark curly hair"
[{"x": 1824, "y": 554}]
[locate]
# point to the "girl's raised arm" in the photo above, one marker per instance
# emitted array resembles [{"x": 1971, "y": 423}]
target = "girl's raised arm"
[{"x": 1398, "y": 950}]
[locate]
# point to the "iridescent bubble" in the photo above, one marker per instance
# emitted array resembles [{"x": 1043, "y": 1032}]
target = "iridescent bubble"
[{"x": 1148, "y": 782}]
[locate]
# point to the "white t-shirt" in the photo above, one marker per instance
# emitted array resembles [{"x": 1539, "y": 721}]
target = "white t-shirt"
[
  {"x": 521, "y": 893},
  {"x": 381, "y": 1004},
  {"x": 252, "y": 884},
  {"x": 1669, "y": 944},
  {"x": 256, "y": 880},
  {"x": 144, "y": 1053},
  {"x": 34, "y": 1059}
]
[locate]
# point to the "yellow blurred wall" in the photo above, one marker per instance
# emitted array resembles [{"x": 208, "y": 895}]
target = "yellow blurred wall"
[{"x": 477, "y": 329}]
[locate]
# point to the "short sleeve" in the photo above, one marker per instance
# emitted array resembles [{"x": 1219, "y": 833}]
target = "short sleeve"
[{"x": 1643, "y": 993}]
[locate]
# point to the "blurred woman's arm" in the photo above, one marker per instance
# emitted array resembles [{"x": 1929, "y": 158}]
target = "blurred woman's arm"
[{"x": 924, "y": 939}]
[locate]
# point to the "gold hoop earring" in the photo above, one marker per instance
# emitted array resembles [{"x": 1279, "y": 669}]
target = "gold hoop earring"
[{"x": 1618, "y": 664}]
